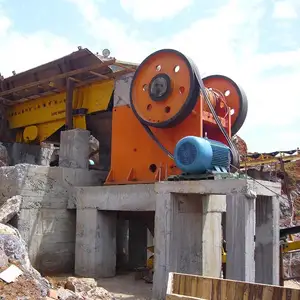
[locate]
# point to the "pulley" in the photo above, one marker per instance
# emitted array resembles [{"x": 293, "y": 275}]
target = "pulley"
[
  {"x": 164, "y": 89},
  {"x": 235, "y": 98}
]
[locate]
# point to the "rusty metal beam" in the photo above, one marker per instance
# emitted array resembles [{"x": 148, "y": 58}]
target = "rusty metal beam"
[
  {"x": 99, "y": 75},
  {"x": 60, "y": 76},
  {"x": 81, "y": 83}
]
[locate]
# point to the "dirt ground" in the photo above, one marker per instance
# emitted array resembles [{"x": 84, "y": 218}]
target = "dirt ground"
[
  {"x": 125, "y": 287},
  {"x": 122, "y": 286}
]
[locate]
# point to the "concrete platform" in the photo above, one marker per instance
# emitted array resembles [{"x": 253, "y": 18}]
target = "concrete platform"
[
  {"x": 188, "y": 233},
  {"x": 60, "y": 221},
  {"x": 45, "y": 222}
]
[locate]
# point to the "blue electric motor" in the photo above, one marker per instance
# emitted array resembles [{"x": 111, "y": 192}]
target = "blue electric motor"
[{"x": 196, "y": 155}]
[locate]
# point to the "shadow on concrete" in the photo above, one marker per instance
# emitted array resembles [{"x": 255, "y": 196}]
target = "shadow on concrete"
[{"x": 124, "y": 286}]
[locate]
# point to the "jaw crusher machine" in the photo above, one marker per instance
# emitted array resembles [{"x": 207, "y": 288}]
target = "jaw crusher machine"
[
  {"x": 153, "y": 121},
  {"x": 175, "y": 122}
]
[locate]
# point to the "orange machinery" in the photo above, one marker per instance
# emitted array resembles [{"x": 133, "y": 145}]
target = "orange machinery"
[
  {"x": 169, "y": 101},
  {"x": 166, "y": 101}
]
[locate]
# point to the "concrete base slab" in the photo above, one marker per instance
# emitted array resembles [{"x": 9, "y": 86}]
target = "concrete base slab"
[{"x": 135, "y": 197}]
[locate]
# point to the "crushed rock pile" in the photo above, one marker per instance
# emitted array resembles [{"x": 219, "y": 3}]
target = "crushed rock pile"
[
  {"x": 16, "y": 271},
  {"x": 79, "y": 289}
]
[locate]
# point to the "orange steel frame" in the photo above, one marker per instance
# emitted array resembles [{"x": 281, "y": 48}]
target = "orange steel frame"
[{"x": 134, "y": 153}]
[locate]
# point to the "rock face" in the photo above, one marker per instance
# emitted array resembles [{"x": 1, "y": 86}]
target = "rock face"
[
  {"x": 241, "y": 146},
  {"x": 4, "y": 159},
  {"x": 13, "y": 250},
  {"x": 10, "y": 208}
]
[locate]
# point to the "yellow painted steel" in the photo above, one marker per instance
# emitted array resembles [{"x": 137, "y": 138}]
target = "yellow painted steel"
[
  {"x": 291, "y": 246},
  {"x": 250, "y": 162},
  {"x": 288, "y": 247},
  {"x": 47, "y": 129},
  {"x": 37, "y": 119},
  {"x": 30, "y": 133}
]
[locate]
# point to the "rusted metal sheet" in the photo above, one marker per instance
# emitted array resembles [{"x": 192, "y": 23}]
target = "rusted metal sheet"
[{"x": 22, "y": 87}]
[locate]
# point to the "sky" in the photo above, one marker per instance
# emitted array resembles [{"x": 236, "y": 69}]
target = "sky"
[{"x": 253, "y": 42}]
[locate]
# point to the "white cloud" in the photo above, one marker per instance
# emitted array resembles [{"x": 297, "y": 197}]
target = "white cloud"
[
  {"x": 226, "y": 43},
  {"x": 286, "y": 9},
  {"x": 154, "y": 10},
  {"x": 20, "y": 52}
]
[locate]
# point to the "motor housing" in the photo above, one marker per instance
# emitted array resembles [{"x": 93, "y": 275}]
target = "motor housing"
[{"x": 196, "y": 155}]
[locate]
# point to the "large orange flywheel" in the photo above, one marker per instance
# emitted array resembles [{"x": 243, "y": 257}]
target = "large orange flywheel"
[
  {"x": 234, "y": 97},
  {"x": 164, "y": 89}
]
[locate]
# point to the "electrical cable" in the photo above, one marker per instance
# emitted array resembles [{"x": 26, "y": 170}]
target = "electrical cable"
[
  {"x": 209, "y": 104},
  {"x": 255, "y": 180}
]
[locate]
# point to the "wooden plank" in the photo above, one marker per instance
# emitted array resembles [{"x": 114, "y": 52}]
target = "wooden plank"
[
  {"x": 181, "y": 297},
  {"x": 198, "y": 287}
]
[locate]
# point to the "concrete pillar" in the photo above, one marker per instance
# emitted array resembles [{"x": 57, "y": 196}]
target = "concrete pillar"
[
  {"x": 267, "y": 240},
  {"x": 95, "y": 252},
  {"x": 137, "y": 243},
  {"x": 188, "y": 237},
  {"x": 74, "y": 149},
  {"x": 240, "y": 220},
  {"x": 212, "y": 237}
]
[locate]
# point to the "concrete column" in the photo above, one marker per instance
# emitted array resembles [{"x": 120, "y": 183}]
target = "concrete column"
[
  {"x": 212, "y": 237},
  {"x": 240, "y": 220},
  {"x": 267, "y": 240},
  {"x": 95, "y": 252},
  {"x": 137, "y": 243},
  {"x": 74, "y": 149},
  {"x": 187, "y": 237}
]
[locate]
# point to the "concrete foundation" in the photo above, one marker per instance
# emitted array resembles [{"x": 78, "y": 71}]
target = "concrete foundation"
[
  {"x": 45, "y": 222},
  {"x": 240, "y": 230},
  {"x": 188, "y": 235},
  {"x": 74, "y": 149}
]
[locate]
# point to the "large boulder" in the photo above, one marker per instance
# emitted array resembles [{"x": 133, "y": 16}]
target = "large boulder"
[
  {"x": 13, "y": 250},
  {"x": 4, "y": 158}
]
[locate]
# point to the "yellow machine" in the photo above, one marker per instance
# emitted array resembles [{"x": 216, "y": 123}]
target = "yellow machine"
[{"x": 67, "y": 93}]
